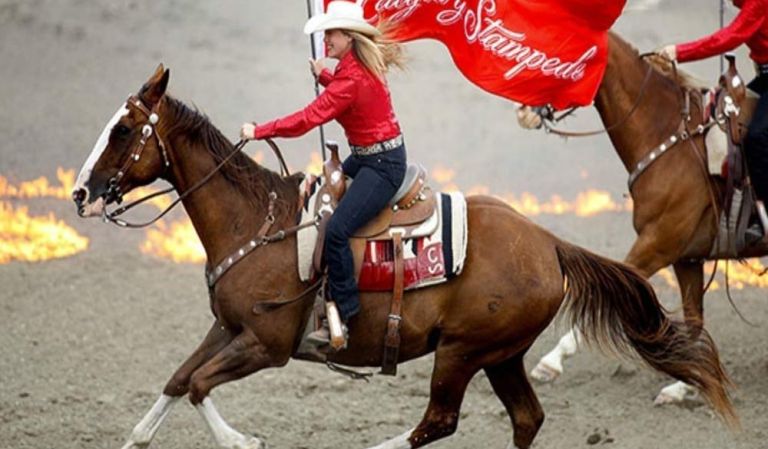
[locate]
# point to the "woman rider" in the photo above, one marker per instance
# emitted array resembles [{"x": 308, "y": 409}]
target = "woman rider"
[
  {"x": 357, "y": 97},
  {"x": 749, "y": 27}
]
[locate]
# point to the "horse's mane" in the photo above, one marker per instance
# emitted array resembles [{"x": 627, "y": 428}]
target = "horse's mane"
[
  {"x": 663, "y": 67},
  {"x": 683, "y": 78},
  {"x": 253, "y": 180}
]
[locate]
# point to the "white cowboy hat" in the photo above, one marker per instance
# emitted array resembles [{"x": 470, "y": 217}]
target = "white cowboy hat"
[{"x": 341, "y": 15}]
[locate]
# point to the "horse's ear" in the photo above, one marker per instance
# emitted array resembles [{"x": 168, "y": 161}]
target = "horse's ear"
[{"x": 155, "y": 88}]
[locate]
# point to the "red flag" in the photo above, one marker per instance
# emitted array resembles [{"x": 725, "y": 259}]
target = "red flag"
[{"x": 535, "y": 52}]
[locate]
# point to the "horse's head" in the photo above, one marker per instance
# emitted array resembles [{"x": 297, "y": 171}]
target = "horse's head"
[{"x": 129, "y": 152}]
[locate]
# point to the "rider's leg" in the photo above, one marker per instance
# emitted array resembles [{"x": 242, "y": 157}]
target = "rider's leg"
[
  {"x": 376, "y": 182},
  {"x": 756, "y": 141}
]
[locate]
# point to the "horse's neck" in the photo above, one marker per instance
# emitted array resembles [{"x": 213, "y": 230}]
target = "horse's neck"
[
  {"x": 648, "y": 110},
  {"x": 223, "y": 215}
]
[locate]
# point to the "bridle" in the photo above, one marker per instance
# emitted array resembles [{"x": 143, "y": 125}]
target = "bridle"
[
  {"x": 262, "y": 238},
  {"x": 147, "y": 131}
]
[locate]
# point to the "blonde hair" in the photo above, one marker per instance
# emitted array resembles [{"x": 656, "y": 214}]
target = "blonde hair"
[{"x": 378, "y": 54}]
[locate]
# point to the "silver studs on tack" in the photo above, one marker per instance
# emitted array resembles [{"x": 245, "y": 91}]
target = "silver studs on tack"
[{"x": 153, "y": 118}]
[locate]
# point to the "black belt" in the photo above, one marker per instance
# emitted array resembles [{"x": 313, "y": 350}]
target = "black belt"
[
  {"x": 378, "y": 147},
  {"x": 762, "y": 69}
]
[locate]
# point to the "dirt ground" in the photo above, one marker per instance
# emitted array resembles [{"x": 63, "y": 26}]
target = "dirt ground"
[{"x": 87, "y": 343}]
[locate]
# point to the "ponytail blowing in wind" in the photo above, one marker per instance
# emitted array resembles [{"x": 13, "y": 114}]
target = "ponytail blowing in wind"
[{"x": 378, "y": 53}]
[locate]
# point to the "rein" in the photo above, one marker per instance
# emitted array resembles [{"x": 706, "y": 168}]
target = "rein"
[
  {"x": 112, "y": 216},
  {"x": 548, "y": 128}
]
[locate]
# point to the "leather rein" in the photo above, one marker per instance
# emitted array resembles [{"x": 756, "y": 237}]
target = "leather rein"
[{"x": 683, "y": 133}]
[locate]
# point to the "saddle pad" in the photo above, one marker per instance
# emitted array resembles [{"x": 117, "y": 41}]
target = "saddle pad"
[
  {"x": 428, "y": 260},
  {"x": 716, "y": 143},
  {"x": 306, "y": 238}
]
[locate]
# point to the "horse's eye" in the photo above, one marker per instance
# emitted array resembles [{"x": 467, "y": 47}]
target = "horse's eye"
[{"x": 122, "y": 130}]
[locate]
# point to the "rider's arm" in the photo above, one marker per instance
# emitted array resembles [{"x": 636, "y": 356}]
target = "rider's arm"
[
  {"x": 325, "y": 78},
  {"x": 334, "y": 100},
  {"x": 743, "y": 27}
]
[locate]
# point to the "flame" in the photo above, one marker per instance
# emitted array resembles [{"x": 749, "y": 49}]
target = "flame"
[
  {"x": 33, "y": 239},
  {"x": 178, "y": 242},
  {"x": 40, "y": 187},
  {"x": 315, "y": 165},
  {"x": 161, "y": 202},
  {"x": 740, "y": 275},
  {"x": 586, "y": 204},
  {"x": 27, "y": 238}
]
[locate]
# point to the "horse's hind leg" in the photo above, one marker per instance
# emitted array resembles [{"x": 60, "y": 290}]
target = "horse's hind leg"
[
  {"x": 177, "y": 387},
  {"x": 511, "y": 386},
  {"x": 450, "y": 377}
]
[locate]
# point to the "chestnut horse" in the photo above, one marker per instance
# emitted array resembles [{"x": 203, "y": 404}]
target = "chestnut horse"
[
  {"x": 676, "y": 201},
  {"x": 516, "y": 277}
]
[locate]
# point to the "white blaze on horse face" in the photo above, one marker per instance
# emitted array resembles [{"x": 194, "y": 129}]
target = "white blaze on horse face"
[{"x": 98, "y": 149}]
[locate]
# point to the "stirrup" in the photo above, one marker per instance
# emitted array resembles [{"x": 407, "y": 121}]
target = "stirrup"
[
  {"x": 323, "y": 337},
  {"x": 762, "y": 215}
]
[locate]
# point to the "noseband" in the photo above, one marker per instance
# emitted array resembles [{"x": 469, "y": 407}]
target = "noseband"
[{"x": 147, "y": 131}]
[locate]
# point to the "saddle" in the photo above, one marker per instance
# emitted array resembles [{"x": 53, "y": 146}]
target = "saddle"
[
  {"x": 410, "y": 213},
  {"x": 733, "y": 109}
]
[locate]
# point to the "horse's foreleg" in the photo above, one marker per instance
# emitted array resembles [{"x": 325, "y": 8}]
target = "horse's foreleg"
[
  {"x": 512, "y": 387},
  {"x": 642, "y": 256},
  {"x": 550, "y": 367},
  {"x": 145, "y": 430},
  {"x": 177, "y": 387},
  {"x": 690, "y": 276},
  {"x": 244, "y": 355}
]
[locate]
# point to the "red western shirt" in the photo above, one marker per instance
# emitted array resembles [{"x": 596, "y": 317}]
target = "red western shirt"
[
  {"x": 749, "y": 27},
  {"x": 355, "y": 97}
]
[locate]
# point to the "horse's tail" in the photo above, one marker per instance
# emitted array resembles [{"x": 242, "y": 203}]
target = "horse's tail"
[{"x": 616, "y": 308}]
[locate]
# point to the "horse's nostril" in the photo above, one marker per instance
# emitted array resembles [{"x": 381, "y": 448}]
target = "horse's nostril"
[{"x": 79, "y": 195}]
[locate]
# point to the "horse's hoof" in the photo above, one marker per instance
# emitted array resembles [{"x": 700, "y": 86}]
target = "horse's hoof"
[
  {"x": 252, "y": 443},
  {"x": 664, "y": 399},
  {"x": 545, "y": 373},
  {"x": 673, "y": 394}
]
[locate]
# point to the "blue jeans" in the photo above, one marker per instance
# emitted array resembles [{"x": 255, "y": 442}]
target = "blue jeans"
[
  {"x": 756, "y": 142},
  {"x": 376, "y": 180}
]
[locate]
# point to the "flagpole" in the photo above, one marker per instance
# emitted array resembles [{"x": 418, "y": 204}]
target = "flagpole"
[
  {"x": 722, "y": 24},
  {"x": 317, "y": 84}
]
